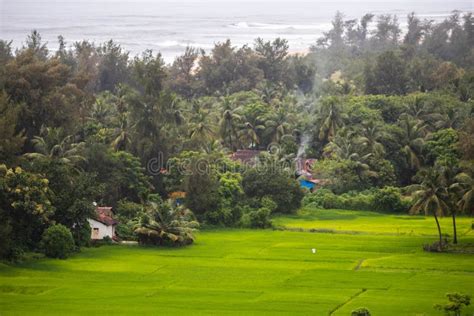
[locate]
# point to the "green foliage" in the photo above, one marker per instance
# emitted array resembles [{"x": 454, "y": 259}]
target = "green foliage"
[
  {"x": 125, "y": 230},
  {"x": 276, "y": 184},
  {"x": 202, "y": 190},
  {"x": 388, "y": 76},
  {"x": 342, "y": 175},
  {"x": 128, "y": 210},
  {"x": 73, "y": 194},
  {"x": 361, "y": 311},
  {"x": 268, "y": 203},
  {"x": 389, "y": 199},
  {"x": 230, "y": 186},
  {"x": 11, "y": 141},
  {"x": 224, "y": 216},
  {"x": 442, "y": 146},
  {"x": 57, "y": 242},
  {"x": 260, "y": 218},
  {"x": 166, "y": 225},
  {"x": 121, "y": 175},
  {"x": 324, "y": 198},
  {"x": 25, "y": 206},
  {"x": 91, "y": 118},
  {"x": 457, "y": 302}
]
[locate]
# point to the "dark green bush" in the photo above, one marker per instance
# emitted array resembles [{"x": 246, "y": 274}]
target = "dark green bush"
[
  {"x": 324, "y": 198},
  {"x": 223, "y": 216},
  {"x": 82, "y": 234},
  {"x": 268, "y": 203},
  {"x": 128, "y": 210},
  {"x": 124, "y": 230},
  {"x": 260, "y": 218},
  {"x": 279, "y": 186},
  {"x": 457, "y": 302},
  {"x": 389, "y": 199},
  {"x": 362, "y": 311},
  {"x": 57, "y": 242}
]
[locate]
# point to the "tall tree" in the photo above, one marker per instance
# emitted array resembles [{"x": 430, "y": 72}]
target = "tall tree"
[
  {"x": 388, "y": 76},
  {"x": 431, "y": 197}
]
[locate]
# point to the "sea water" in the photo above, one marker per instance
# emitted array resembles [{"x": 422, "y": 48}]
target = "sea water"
[{"x": 169, "y": 26}]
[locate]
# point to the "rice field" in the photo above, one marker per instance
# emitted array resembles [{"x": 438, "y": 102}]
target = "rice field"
[{"x": 361, "y": 259}]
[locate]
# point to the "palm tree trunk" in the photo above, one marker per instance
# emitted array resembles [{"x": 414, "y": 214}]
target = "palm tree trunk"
[
  {"x": 439, "y": 230},
  {"x": 455, "y": 241}
]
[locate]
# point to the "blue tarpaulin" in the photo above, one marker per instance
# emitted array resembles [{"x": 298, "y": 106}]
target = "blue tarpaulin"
[{"x": 307, "y": 184}]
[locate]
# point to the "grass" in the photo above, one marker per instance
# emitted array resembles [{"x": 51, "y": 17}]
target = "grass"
[
  {"x": 371, "y": 222},
  {"x": 254, "y": 272}
]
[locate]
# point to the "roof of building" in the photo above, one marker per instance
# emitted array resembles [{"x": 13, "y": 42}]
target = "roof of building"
[
  {"x": 104, "y": 215},
  {"x": 246, "y": 156},
  {"x": 177, "y": 195}
]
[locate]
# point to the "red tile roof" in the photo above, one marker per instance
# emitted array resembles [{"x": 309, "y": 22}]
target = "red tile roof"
[
  {"x": 245, "y": 156},
  {"x": 104, "y": 215}
]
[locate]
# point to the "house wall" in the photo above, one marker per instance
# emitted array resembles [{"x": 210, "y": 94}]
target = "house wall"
[{"x": 104, "y": 230}]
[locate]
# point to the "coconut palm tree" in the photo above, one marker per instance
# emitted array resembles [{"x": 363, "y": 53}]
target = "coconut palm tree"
[
  {"x": 201, "y": 129},
  {"x": 100, "y": 112},
  {"x": 465, "y": 182},
  {"x": 449, "y": 171},
  {"x": 166, "y": 224},
  {"x": 421, "y": 112},
  {"x": 54, "y": 145},
  {"x": 462, "y": 189},
  {"x": 278, "y": 125},
  {"x": 122, "y": 135},
  {"x": 411, "y": 139},
  {"x": 430, "y": 196},
  {"x": 329, "y": 119},
  {"x": 269, "y": 93},
  {"x": 228, "y": 127},
  {"x": 371, "y": 136},
  {"x": 346, "y": 146},
  {"x": 249, "y": 134}
]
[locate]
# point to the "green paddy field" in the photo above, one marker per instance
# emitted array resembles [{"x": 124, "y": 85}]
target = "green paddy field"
[{"x": 363, "y": 259}]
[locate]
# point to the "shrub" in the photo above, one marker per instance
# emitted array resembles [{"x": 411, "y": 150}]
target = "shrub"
[
  {"x": 164, "y": 224},
  {"x": 319, "y": 198},
  {"x": 389, "y": 199},
  {"x": 124, "y": 230},
  {"x": 457, "y": 302},
  {"x": 57, "y": 242},
  {"x": 362, "y": 311},
  {"x": 279, "y": 186},
  {"x": 269, "y": 204},
  {"x": 128, "y": 210},
  {"x": 15, "y": 254},
  {"x": 82, "y": 234},
  {"x": 436, "y": 246},
  {"x": 260, "y": 218},
  {"x": 223, "y": 216},
  {"x": 324, "y": 198}
]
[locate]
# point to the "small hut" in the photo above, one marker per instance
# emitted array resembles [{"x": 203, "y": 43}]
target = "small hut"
[{"x": 102, "y": 224}]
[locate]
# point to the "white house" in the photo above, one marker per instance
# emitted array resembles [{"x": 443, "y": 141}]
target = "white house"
[{"x": 103, "y": 224}]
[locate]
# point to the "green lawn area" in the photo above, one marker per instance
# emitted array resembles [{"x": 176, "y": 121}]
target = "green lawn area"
[
  {"x": 371, "y": 222},
  {"x": 255, "y": 272}
]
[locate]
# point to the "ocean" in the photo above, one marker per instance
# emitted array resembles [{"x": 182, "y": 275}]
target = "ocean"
[{"x": 169, "y": 26}]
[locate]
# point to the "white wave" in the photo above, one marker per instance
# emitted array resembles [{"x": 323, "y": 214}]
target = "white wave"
[
  {"x": 277, "y": 26},
  {"x": 181, "y": 44}
]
